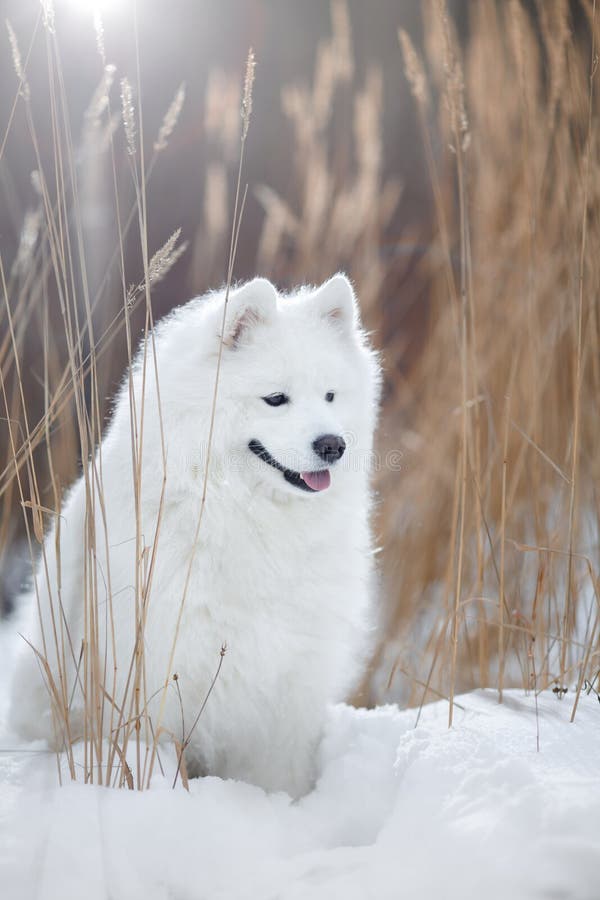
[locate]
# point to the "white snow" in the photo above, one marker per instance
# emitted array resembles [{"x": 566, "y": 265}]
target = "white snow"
[{"x": 398, "y": 812}]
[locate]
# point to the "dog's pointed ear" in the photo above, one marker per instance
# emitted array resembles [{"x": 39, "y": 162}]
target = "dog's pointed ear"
[
  {"x": 336, "y": 302},
  {"x": 248, "y": 306}
]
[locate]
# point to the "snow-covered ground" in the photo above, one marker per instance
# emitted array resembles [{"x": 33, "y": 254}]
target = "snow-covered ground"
[{"x": 398, "y": 812}]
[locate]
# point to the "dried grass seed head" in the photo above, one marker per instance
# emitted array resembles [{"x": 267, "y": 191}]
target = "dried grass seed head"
[
  {"x": 247, "y": 96},
  {"x": 128, "y": 113},
  {"x": 17, "y": 62},
  {"x": 170, "y": 120}
]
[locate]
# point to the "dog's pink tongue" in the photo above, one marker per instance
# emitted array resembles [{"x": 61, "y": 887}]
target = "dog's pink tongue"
[{"x": 318, "y": 481}]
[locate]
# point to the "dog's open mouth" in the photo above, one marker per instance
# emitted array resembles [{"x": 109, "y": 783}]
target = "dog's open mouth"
[{"x": 306, "y": 481}]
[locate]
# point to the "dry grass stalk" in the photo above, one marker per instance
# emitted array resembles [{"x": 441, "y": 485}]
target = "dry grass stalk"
[
  {"x": 568, "y": 616},
  {"x": 238, "y": 210},
  {"x": 532, "y": 332},
  {"x": 60, "y": 254}
]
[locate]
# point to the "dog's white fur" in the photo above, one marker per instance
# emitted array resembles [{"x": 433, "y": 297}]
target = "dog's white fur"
[{"x": 282, "y": 576}]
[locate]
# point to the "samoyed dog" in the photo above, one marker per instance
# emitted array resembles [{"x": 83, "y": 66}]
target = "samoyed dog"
[{"x": 279, "y": 569}]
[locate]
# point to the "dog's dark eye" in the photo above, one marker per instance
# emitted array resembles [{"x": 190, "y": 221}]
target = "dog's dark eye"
[
  {"x": 276, "y": 399},
  {"x": 329, "y": 396}
]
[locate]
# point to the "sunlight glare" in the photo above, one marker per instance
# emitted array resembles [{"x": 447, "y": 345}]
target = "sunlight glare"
[{"x": 94, "y": 7}]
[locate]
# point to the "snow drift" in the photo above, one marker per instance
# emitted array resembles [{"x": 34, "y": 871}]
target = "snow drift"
[{"x": 398, "y": 812}]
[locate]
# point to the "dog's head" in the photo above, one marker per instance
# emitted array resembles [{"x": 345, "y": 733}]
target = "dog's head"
[{"x": 298, "y": 386}]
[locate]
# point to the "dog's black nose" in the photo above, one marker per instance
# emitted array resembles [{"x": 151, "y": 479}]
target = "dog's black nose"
[{"x": 329, "y": 447}]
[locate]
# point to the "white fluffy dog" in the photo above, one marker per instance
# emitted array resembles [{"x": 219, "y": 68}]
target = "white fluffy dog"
[{"x": 281, "y": 568}]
